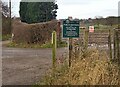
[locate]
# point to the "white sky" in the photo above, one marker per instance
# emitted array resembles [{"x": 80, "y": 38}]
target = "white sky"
[{"x": 80, "y": 8}]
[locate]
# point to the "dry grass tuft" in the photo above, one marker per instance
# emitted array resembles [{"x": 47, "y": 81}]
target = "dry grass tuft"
[{"x": 94, "y": 69}]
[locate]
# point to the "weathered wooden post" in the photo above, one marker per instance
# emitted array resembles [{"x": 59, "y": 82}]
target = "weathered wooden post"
[
  {"x": 70, "y": 46},
  {"x": 76, "y": 51},
  {"x": 70, "y": 50},
  {"x": 85, "y": 39},
  {"x": 54, "y": 46},
  {"x": 114, "y": 44},
  {"x": 109, "y": 44},
  {"x": 117, "y": 45}
]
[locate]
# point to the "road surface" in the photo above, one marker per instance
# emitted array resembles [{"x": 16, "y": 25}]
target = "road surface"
[{"x": 21, "y": 66}]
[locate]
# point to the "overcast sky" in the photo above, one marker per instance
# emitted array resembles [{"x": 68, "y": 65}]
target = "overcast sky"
[{"x": 80, "y": 8}]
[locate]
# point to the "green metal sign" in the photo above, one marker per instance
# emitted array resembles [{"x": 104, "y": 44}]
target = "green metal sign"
[{"x": 71, "y": 28}]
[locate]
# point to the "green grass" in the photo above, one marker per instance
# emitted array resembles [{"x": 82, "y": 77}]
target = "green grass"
[
  {"x": 6, "y": 37},
  {"x": 0, "y": 37},
  {"x": 101, "y": 28},
  {"x": 24, "y": 45}
]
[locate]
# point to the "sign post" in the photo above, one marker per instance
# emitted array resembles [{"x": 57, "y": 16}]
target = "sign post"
[
  {"x": 70, "y": 51},
  {"x": 70, "y": 30}
]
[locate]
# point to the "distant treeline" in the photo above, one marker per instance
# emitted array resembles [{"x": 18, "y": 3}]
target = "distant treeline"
[{"x": 111, "y": 20}]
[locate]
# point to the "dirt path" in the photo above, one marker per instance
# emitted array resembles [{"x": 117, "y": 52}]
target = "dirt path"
[
  {"x": 28, "y": 53},
  {"x": 26, "y": 66},
  {"x": 23, "y": 71}
]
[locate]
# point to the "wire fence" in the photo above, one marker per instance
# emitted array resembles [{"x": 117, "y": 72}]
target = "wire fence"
[{"x": 103, "y": 40}]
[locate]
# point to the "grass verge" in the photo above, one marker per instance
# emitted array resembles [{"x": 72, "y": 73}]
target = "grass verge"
[
  {"x": 92, "y": 69},
  {"x": 24, "y": 45},
  {"x": 6, "y": 37}
]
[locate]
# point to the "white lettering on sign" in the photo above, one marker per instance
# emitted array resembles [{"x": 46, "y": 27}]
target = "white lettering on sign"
[{"x": 71, "y": 24}]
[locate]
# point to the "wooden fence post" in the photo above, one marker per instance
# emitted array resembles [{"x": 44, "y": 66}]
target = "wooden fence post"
[
  {"x": 75, "y": 51},
  {"x": 70, "y": 51},
  {"x": 54, "y": 46},
  {"x": 109, "y": 44},
  {"x": 117, "y": 45},
  {"x": 114, "y": 44},
  {"x": 85, "y": 39}
]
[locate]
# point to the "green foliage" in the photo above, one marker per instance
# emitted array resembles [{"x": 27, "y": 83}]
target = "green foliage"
[
  {"x": 24, "y": 45},
  {"x": 0, "y": 37},
  {"x": 46, "y": 45},
  {"x": 61, "y": 44},
  {"x": 102, "y": 26},
  {"x": 6, "y": 37},
  {"x": 35, "y": 12}
]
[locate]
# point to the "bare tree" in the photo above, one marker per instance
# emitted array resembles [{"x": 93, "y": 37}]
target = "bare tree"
[{"x": 4, "y": 9}]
